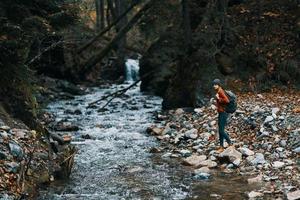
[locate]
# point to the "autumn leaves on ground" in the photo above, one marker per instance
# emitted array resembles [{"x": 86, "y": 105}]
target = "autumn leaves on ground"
[{"x": 265, "y": 132}]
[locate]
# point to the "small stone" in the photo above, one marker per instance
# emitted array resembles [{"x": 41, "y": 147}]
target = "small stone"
[
  {"x": 293, "y": 195},
  {"x": 275, "y": 110},
  {"x": 209, "y": 163},
  {"x": 212, "y": 123},
  {"x": 278, "y": 164},
  {"x": 258, "y": 159},
  {"x": 5, "y": 128},
  {"x": 231, "y": 153},
  {"x": 268, "y": 119},
  {"x": 154, "y": 131},
  {"x": 16, "y": 150},
  {"x": 185, "y": 152},
  {"x": 179, "y": 111},
  {"x": 246, "y": 152},
  {"x": 191, "y": 134},
  {"x": 274, "y": 128},
  {"x": 237, "y": 162},
  {"x": 253, "y": 195},
  {"x": 202, "y": 176},
  {"x": 166, "y": 155},
  {"x": 3, "y": 135},
  {"x": 297, "y": 150},
  {"x": 194, "y": 160},
  {"x": 282, "y": 143},
  {"x": 202, "y": 170},
  {"x": 12, "y": 167},
  {"x": 3, "y": 155}
]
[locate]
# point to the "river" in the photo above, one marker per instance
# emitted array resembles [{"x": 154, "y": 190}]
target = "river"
[{"x": 115, "y": 163}]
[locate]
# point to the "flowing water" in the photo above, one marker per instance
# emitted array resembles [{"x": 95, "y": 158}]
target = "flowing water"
[{"x": 116, "y": 164}]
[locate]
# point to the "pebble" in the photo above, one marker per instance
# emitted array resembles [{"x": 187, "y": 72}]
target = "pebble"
[
  {"x": 202, "y": 170},
  {"x": 268, "y": 119},
  {"x": 258, "y": 159},
  {"x": 246, "y": 152},
  {"x": 185, "y": 152},
  {"x": 16, "y": 150},
  {"x": 278, "y": 164},
  {"x": 209, "y": 163},
  {"x": 194, "y": 160},
  {"x": 293, "y": 195},
  {"x": 12, "y": 167},
  {"x": 254, "y": 195},
  {"x": 202, "y": 176},
  {"x": 191, "y": 134},
  {"x": 296, "y": 150}
]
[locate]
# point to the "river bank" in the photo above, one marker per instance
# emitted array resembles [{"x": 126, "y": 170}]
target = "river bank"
[
  {"x": 32, "y": 157},
  {"x": 265, "y": 132}
]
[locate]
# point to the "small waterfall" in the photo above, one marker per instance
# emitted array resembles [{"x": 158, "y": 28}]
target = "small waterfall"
[{"x": 132, "y": 70}]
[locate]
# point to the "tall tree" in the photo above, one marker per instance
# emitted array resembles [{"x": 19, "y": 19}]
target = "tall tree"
[{"x": 186, "y": 23}]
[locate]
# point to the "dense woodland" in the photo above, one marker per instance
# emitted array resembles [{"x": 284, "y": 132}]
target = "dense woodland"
[{"x": 253, "y": 45}]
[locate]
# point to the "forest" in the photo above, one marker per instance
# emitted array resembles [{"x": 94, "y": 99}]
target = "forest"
[{"x": 129, "y": 99}]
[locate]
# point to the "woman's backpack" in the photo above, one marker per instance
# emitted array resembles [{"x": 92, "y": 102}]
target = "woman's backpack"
[{"x": 232, "y": 105}]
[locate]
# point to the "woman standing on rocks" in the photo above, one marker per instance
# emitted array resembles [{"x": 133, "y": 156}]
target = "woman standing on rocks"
[{"x": 222, "y": 100}]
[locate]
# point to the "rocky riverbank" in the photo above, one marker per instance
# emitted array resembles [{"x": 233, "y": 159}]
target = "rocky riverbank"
[
  {"x": 266, "y": 135},
  {"x": 32, "y": 158}
]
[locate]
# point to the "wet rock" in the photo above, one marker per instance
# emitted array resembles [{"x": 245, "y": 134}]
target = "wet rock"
[
  {"x": 275, "y": 110},
  {"x": 231, "y": 153},
  {"x": 135, "y": 169},
  {"x": 5, "y": 128},
  {"x": 257, "y": 179},
  {"x": 155, "y": 150},
  {"x": 202, "y": 176},
  {"x": 3, "y": 155},
  {"x": 278, "y": 164},
  {"x": 208, "y": 163},
  {"x": 65, "y": 126},
  {"x": 179, "y": 111},
  {"x": 246, "y": 152},
  {"x": 268, "y": 119},
  {"x": 16, "y": 150},
  {"x": 194, "y": 160},
  {"x": 12, "y": 167},
  {"x": 185, "y": 152},
  {"x": 258, "y": 159},
  {"x": 3, "y": 135},
  {"x": 154, "y": 130},
  {"x": 254, "y": 195},
  {"x": 282, "y": 143},
  {"x": 237, "y": 162},
  {"x": 293, "y": 195},
  {"x": 191, "y": 134},
  {"x": 86, "y": 136},
  {"x": 202, "y": 170},
  {"x": 296, "y": 150}
]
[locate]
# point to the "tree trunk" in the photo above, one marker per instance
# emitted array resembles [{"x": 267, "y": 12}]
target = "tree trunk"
[
  {"x": 86, "y": 67},
  {"x": 102, "y": 14},
  {"x": 186, "y": 23},
  {"x": 98, "y": 18},
  {"x": 85, "y": 46}
]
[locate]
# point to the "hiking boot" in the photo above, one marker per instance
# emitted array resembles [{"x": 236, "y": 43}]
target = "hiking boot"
[{"x": 220, "y": 150}]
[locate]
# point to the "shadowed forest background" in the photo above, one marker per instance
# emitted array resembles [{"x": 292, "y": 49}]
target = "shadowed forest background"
[{"x": 49, "y": 46}]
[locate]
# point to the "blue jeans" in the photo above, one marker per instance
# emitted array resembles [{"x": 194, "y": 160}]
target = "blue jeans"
[{"x": 222, "y": 121}]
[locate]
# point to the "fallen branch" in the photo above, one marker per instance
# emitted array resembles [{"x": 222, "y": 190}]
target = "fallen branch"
[
  {"x": 44, "y": 51},
  {"x": 119, "y": 92},
  {"x": 114, "y": 95}
]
